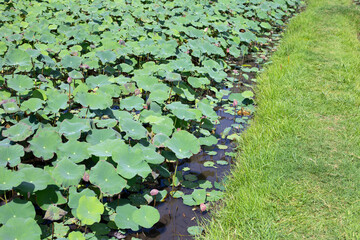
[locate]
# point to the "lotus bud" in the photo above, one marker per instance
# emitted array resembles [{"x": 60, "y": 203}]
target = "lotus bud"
[
  {"x": 227, "y": 50},
  {"x": 202, "y": 207},
  {"x": 235, "y": 71},
  {"x": 154, "y": 192},
  {"x": 187, "y": 51},
  {"x": 84, "y": 66},
  {"x": 206, "y": 29},
  {"x": 178, "y": 129},
  {"x": 122, "y": 42},
  {"x": 86, "y": 177},
  {"x": 137, "y": 91},
  {"x": 69, "y": 80},
  {"x": 235, "y": 103},
  {"x": 145, "y": 107}
]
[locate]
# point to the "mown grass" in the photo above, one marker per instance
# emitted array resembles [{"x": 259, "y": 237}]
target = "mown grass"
[{"x": 298, "y": 171}]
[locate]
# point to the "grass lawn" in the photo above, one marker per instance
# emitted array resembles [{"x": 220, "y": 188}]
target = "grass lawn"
[{"x": 298, "y": 170}]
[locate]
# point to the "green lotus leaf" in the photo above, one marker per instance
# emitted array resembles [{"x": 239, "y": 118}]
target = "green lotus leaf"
[
  {"x": 183, "y": 144},
  {"x": 56, "y": 101},
  {"x": 76, "y": 236},
  {"x": 133, "y": 129},
  {"x": 199, "y": 195},
  {"x": 10, "y": 107},
  {"x": 72, "y": 128},
  {"x": 104, "y": 175},
  {"x": 146, "y": 216},
  {"x": 106, "y": 56},
  {"x": 18, "y": 132},
  {"x": 122, "y": 115},
  {"x": 160, "y": 139},
  {"x": 205, "y": 107},
  {"x": 68, "y": 173},
  {"x": 145, "y": 82},
  {"x": 16, "y": 209},
  {"x": 101, "y": 228},
  {"x": 131, "y": 162},
  {"x": 32, "y": 105},
  {"x": 74, "y": 196},
  {"x": 9, "y": 179},
  {"x": 208, "y": 141},
  {"x": 195, "y": 230},
  {"x": 123, "y": 218},
  {"x": 150, "y": 155},
  {"x": 20, "y": 228},
  {"x": 45, "y": 143},
  {"x": 132, "y": 102},
  {"x": 71, "y": 62},
  {"x": 16, "y": 57},
  {"x": 89, "y": 210},
  {"x": 181, "y": 111},
  {"x": 34, "y": 179},
  {"x": 75, "y": 74},
  {"x": 11, "y": 154},
  {"x": 20, "y": 83},
  {"x": 74, "y": 150},
  {"x": 247, "y": 94},
  {"x": 100, "y": 135},
  {"x": 50, "y": 195},
  {"x": 236, "y": 96},
  {"x": 54, "y": 213},
  {"x": 173, "y": 77},
  {"x": 60, "y": 230},
  {"x": 160, "y": 124},
  {"x": 109, "y": 123},
  {"x": 105, "y": 148},
  {"x": 97, "y": 81},
  {"x": 94, "y": 100}
]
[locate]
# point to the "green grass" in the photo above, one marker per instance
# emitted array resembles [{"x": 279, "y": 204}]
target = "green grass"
[{"x": 298, "y": 171}]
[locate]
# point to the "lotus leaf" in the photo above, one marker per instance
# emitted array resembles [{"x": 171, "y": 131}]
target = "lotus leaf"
[
  {"x": 11, "y": 155},
  {"x": 45, "y": 143},
  {"x": 54, "y": 213},
  {"x": 18, "y": 132},
  {"x": 146, "y": 216},
  {"x": 16, "y": 209},
  {"x": 94, "y": 100},
  {"x": 205, "y": 107},
  {"x": 208, "y": 141},
  {"x": 123, "y": 218},
  {"x": 132, "y": 102},
  {"x": 17, "y": 57},
  {"x": 20, "y": 228},
  {"x": 20, "y": 83},
  {"x": 76, "y": 236},
  {"x": 195, "y": 230},
  {"x": 133, "y": 129},
  {"x": 68, "y": 173},
  {"x": 151, "y": 156},
  {"x": 183, "y": 144},
  {"x": 34, "y": 179},
  {"x": 32, "y": 105},
  {"x": 106, "y": 56},
  {"x": 71, "y": 62},
  {"x": 89, "y": 210},
  {"x": 9, "y": 179},
  {"x": 74, "y": 150},
  {"x": 104, "y": 175},
  {"x": 75, "y": 74},
  {"x": 56, "y": 101},
  {"x": 97, "y": 81},
  {"x": 106, "y": 148},
  {"x": 48, "y": 196},
  {"x": 10, "y": 106},
  {"x": 181, "y": 111},
  {"x": 72, "y": 128}
]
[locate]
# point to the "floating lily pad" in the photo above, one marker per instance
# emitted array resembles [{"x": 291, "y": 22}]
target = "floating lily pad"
[
  {"x": 20, "y": 228},
  {"x": 32, "y": 105},
  {"x": 45, "y": 143},
  {"x": 146, "y": 216},
  {"x": 89, "y": 210},
  {"x": 68, "y": 173},
  {"x": 183, "y": 144},
  {"x": 132, "y": 102},
  {"x": 133, "y": 129},
  {"x": 106, "y": 56},
  {"x": 195, "y": 230},
  {"x": 72, "y": 128},
  {"x": 16, "y": 209},
  {"x": 104, "y": 175},
  {"x": 123, "y": 218},
  {"x": 17, "y": 57}
]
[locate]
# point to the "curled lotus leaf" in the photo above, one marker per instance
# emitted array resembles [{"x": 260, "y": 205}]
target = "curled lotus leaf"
[
  {"x": 54, "y": 213},
  {"x": 9, "y": 179},
  {"x": 11, "y": 154},
  {"x": 16, "y": 209},
  {"x": 45, "y": 143},
  {"x": 104, "y": 175},
  {"x": 68, "y": 173},
  {"x": 20, "y": 228},
  {"x": 146, "y": 216},
  {"x": 123, "y": 218},
  {"x": 18, "y": 132},
  {"x": 89, "y": 210},
  {"x": 183, "y": 144}
]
